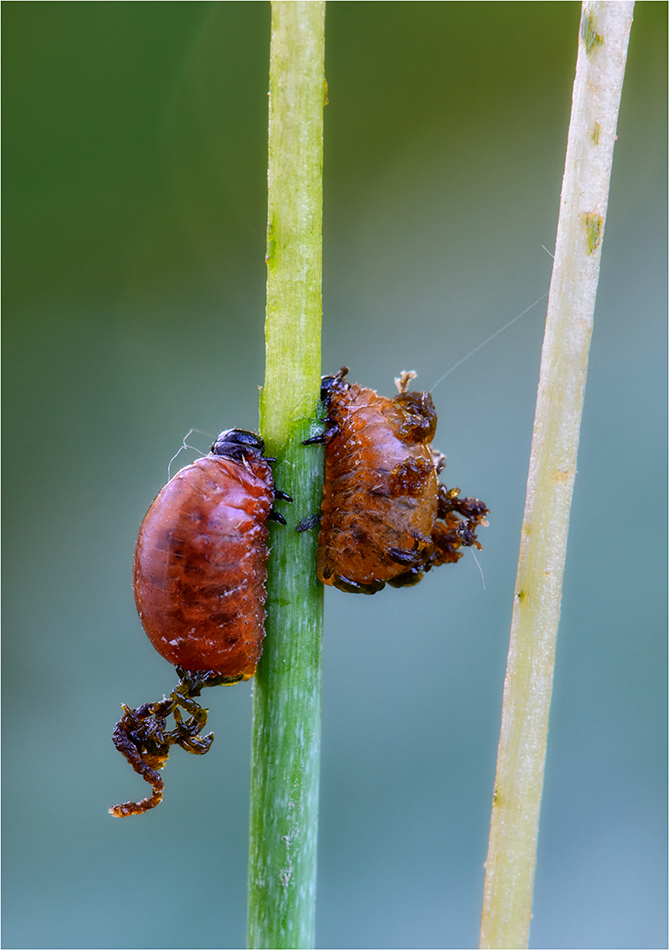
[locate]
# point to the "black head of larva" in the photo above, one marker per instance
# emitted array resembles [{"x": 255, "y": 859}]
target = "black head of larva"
[
  {"x": 330, "y": 383},
  {"x": 238, "y": 444}
]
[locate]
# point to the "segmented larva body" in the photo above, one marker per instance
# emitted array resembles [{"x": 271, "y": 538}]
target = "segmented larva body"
[
  {"x": 385, "y": 518},
  {"x": 200, "y": 573},
  {"x": 201, "y": 561},
  {"x": 380, "y": 497}
]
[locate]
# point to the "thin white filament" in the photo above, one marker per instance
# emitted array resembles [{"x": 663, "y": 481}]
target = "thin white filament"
[{"x": 485, "y": 342}]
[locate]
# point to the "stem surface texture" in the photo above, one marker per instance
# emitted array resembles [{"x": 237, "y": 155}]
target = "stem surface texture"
[
  {"x": 286, "y": 696},
  {"x": 602, "y": 52}
]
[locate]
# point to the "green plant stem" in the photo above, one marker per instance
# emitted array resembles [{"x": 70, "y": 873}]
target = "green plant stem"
[
  {"x": 286, "y": 696},
  {"x": 602, "y": 53}
]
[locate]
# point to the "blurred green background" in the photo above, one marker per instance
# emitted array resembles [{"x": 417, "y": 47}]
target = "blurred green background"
[{"x": 135, "y": 150}]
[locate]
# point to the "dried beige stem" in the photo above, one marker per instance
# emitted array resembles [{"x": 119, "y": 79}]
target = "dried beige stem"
[{"x": 602, "y": 52}]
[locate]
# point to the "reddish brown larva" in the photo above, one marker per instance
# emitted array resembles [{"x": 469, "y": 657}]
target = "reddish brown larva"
[
  {"x": 385, "y": 518},
  {"x": 200, "y": 573},
  {"x": 201, "y": 560}
]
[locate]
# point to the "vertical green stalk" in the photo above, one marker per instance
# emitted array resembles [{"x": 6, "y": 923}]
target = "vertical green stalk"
[
  {"x": 287, "y": 690},
  {"x": 507, "y": 903}
]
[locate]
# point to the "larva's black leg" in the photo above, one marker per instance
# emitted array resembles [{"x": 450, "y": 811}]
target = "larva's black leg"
[
  {"x": 408, "y": 579},
  {"x": 331, "y": 429},
  {"x": 409, "y": 558},
  {"x": 352, "y": 587},
  {"x": 274, "y": 515}
]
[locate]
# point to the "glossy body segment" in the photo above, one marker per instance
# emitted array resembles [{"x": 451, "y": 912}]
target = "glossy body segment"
[
  {"x": 381, "y": 491},
  {"x": 201, "y": 565},
  {"x": 385, "y": 518}
]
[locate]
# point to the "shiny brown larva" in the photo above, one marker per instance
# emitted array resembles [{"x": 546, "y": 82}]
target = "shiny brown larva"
[
  {"x": 201, "y": 560},
  {"x": 199, "y": 576},
  {"x": 385, "y": 518}
]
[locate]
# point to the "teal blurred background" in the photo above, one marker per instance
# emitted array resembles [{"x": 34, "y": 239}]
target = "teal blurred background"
[{"x": 135, "y": 152}]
